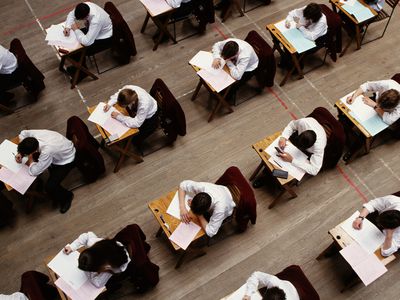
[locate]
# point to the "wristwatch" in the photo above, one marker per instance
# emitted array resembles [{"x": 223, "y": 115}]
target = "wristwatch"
[
  {"x": 361, "y": 217},
  {"x": 375, "y": 107}
]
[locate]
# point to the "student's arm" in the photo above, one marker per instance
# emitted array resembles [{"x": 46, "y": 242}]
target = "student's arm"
[
  {"x": 315, "y": 32},
  {"x": 174, "y": 3},
  {"x": 389, "y": 246},
  {"x": 376, "y": 86},
  {"x": 217, "y": 48},
  {"x": 114, "y": 98},
  {"x": 90, "y": 37},
  {"x": 212, "y": 227},
  {"x": 389, "y": 117},
  {"x": 190, "y": 187},
  {"x": 86, "y": 239},
  {"x": 289, "y": 129},
  {"x": 259, "y": 280},
  {"x": 294, "y": 15},
  {"x": 37, "y": 168},
  {"x": 357, "y": 223},
  {"x": 238, "y": 70},
  {"x": 98, "y": 279},
  {"x": 378, "y": 204},
  {"x": 138, "y": 120},
  {"x": 313, "y": 165},
  {"x": 70, "y": 19}
]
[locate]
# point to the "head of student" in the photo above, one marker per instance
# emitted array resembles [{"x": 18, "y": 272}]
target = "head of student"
[
  {"x": 388, "y": 100},
  {"x": 127, "y": 97},
  {"x": 81, "y": 11},
  {"x": 274, "y": 293},
  {"x": 200, "y": 203},
  {"x": 389, "y": 219},
  {"x": 28, "y": 146},
  {"x": 312, "y": 12},
  {"x": 306, "y": 139},
  {"x": 229, "y": 50},
  {"x": 102, "y": 255}
]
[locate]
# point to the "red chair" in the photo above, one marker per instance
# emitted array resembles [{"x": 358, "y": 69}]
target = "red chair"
[{"x": 36, "y": 286}]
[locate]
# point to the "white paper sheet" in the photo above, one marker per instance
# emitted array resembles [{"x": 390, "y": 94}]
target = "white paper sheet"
[
  {"x": 156, "y": 7},
  {"x": 8, "y": 150},
  {"x": 360, "y": 110},
  {"x": 282, "y": 27},
  {"x": 203, "y": 60},
  {"x": 218, "y": 79},
  {"x": 348, "y": 2},
  {"x": 184, "y": 234},
  {"x": 239, "y": 294},
  {"x": 55, "y": 36},
  {"x": 19, "y": 181},
  {"x": 86, "y": 292},
  {"x": 369, "y": 237},
  {"x": 173, "y": 208}
]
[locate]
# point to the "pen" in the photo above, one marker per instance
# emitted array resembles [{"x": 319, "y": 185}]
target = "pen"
[
  {"x": 277, "y": 163},
  {"x": 165, "y": 224}
]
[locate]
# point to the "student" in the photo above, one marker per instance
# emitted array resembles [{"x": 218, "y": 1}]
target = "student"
[
  {"x": 9, "y": 75},
  {"x": 142, "y": 108},
  {"x": 309, "y": 20},
  {"x": 377, "y": 5},
  {"x": 388, "y": 208},
  {"x": 49, "y": 150},
  {"x": 208, "y": 200},
  {"x": 14, "y": 296},
  {"x": 277, "y": 289}
]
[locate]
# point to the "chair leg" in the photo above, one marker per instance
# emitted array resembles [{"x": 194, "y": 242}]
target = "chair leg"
[{"x": 95, "y": 63}]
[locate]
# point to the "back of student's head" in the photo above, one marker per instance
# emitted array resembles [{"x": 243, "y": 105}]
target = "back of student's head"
[
  {"x": 389, "y": 99},
  {"x": 312, "y": 12},
  {"x": 229, "y": 50},
  {"x": 102, "y": 253},
  {"x": 126, "y": 97},
  {"x": 306, "y": 139},
  {"x": 28, "y": 146},
  {"x": 81, "y": 11},
  {"x": 274, "y": 293},
  {"x": 200, "y": 203},
  {"x": 389, "y": 219}
]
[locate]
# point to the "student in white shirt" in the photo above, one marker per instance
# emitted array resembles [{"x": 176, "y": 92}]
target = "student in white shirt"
[
  {"x": 376, "y": 5},
  {"x": 388, "y": 208},
  {"x": 49, "y": 150},
  {"x": 101, "y": 259},
  {"x": 15, "y": 296},
  {"x": 309, "y": 20},
  {"x": 142, "y": 109},
  {"x": 9, "y": 75},
  {"x": 277, "y": 289},
  {"x": 208, "y": 198}
]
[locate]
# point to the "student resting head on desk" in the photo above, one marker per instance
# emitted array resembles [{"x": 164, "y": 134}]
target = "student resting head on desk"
[
  {"x": 209, "y": 200},
  {"x": 277, "y": 289},
  {"x": 309, "y": 20},
  {"x": 50, "y": 150},
  {"x": 9, "y": 75},
  {"x": 388, "y": 208}
]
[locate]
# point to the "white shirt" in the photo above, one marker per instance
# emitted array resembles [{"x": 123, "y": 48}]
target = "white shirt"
[
  {"x": 379, "y": 87},
  {"x": 54, "y": 149},
  {"x": 310, "y": 30},
  {"x": 317, "y": 150},
  {"x": 15, "y": 296},
  {"x": 382, "y": 204},
  {"x": 378, "y": 6},
  {"x": 176, "y": 3},
  {"x": 88, "y": 239},
  {"x": 8, "y": 61},
  {"x": 259, "y": 280},
  {"x": 222, "y": 204},
  {"x": 146, "y": 108},
  {"x": 247, "y": 59},
  {"x": 100, "y": 25}
]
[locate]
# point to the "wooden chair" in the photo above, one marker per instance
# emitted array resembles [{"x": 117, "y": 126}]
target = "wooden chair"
[
  {"x": 37, "y": 286},
  {"x": 382, "y": 15}
]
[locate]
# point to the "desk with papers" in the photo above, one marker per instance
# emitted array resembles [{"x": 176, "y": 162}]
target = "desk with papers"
[
  {"x": 240, "y": 293},
  {"x": 218, "y": 82}
]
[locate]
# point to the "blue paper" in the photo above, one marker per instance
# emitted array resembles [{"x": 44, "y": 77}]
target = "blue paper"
[
  {"x": 298, "y": 41},
  {"x": 373, "y": 125},
  {"x": 359, "y": 11}
]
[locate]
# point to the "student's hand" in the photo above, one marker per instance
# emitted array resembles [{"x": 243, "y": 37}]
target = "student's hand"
[
  {"x": 106, "y": 108},
  {"x": 66, "y": 31},
  {"x": 285, "y": 156},
  {"x": 185, "y": 216},
  {"x": 67, "y": 249},
  {"x": 357, "y": 223},
  {"x": 246, "y": 297},
  {"x": 115, "y": 114},
  {"x": 74, "y": 26},
  {"x": 350, "y": 99},
  {"x": 18, "y": 158},
  {"x": 216, "y": 64},
  {"x": 368, "y": 101},
  {"x": 282, "y": 142},
  {"x": 287, "y": 24}
]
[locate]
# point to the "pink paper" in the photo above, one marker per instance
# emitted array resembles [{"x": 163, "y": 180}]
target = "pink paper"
[
  {"x": 114, "y": 126},
  {"x": 367, "y": 265},
  {"x": 20, "y": 181},
  {"x": 219, "y": 80},
  {"x": 184, "y": 234},
  {"x": 86, "y": 292},
  {"x": 156, "y": 7}
]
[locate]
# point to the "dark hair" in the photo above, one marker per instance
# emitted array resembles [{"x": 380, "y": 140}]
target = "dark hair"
[
  {"x": 81, "y": 11},
  {"x": 28, "y": 146},
  {"x": 306, "y": 139},
  {"x": 274, "y": 293},
  {"x": 389, "y": 219},
  {"x": 230, "y": 49},
  {"x": 312, "y": 12},
  {"x": 389, "y": 99},
  {"x": 104, "y": 252},
  {"x": 126, "y": 97},
  {"x": 200, "y": 203}
]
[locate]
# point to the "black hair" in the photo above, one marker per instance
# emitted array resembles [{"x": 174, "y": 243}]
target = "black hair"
[
  {"x": 200, "y": 203},
  {"x": 230, "y": 49},
  {"x": 28, "y": 146},
  {"x": 274, "y": 293},
  {"x": 82, "y": 11},
  {"x": 389, "y": 219},
  {"x": 312, "y": 12},
  {"x": 306, "y": 139}
]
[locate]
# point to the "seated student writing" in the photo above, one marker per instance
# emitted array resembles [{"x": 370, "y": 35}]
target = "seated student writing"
[
  {"x": 209, "y": 200},
  {"x": 277, "y": 289},
  {"x": 9, "y": 75},
  {"x": 49, "y": 150},
  {"x": 142, "y": 109},
  {"x": 388, "y": 208},
  {"x": 309, "y": 20}
]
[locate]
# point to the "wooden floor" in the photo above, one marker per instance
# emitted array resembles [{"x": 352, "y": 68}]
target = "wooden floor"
[{"x": 294, "y": 232}]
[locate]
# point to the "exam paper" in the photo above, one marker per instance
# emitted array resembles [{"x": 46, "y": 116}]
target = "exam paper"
[
  {"x": 156, "y": 7},
  {"x": 218, "y": 79},
  {"x": 239, "y": 294},
  {"x": 86, "y": 292},
  {"x": 295, "y": 36},
  {"x": 184, "y": 234},
  {"x": 19, "y": 181},
  {"x": 55, "y": 36},
  {"x": 359, "y": 11},
  {"x": 8, "y": 150},
  {"x": 173, "y": 208}
]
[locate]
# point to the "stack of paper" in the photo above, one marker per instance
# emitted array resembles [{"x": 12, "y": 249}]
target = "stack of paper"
[
  {"x": 184, "y": 234},
  {"x": 295, "y": 37},
  {"x": 55, "y": 36},
  {"x": 104, "y": 119},
  {"x": 359, "y": 11},
  {"x": 173, "y": 208},
  {"x": 156, "y": 7},
  {"x": 239, "y": 294}
]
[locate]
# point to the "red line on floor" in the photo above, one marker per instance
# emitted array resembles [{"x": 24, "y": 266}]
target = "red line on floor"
[
  {"x": 283, "y": 103},
  {"x": 216, "y": 28}
]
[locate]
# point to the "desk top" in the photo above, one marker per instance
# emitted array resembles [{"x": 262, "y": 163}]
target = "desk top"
[
  {"x": 105, "y": 134},
  {"x": 53, "y": 277},
  {"x": 338, "y": 4},
  {"x": 157, "y": 8},
  {"x": 346, "y": 111},
  {"x": 260, "y": 146},
  {"x": 278, "y": 35},
  {"x": 159, "y": 209}
]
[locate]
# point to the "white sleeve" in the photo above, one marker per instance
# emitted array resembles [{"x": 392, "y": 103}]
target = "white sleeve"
[
  {"x": 138, "y": 120},
  {"x": 192, "y": 187},
  {"x": 390, "y": 117},
  {"x": 375, "y": 86},
  {"x": 99, "y": 279},
  {"x": 289, "y": 129},
  {"x": 23, "y": 134},
  {"x": 215, "y": 223},
  {"x": 238, "y": 70},
  {"x": 298, "y": 12},
  {"x": 217, "y": 48},
  {"x": 315, "y": 32},
  {"x": 70, "y": 19},
  {"x": 313, "y": 165},
  {"x": 393, "y": 247},
  {"x": 37, "y": 168},
  {"x": 174, "y": 3},
  {"x": 114, "y": 98},
  {"x": 86, "y": 239},
  {"x": 259, "y": 280},
  {"x": 88, "y": 38},
  {"x": 378, "y": 204}
]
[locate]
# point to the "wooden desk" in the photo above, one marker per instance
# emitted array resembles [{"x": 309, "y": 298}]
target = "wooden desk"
[
  {"x": 286, "y": 184},
  {"x": 337, "y": 6},
  {"x": 219, "y": 95},
  {"x": 161, "y": 21},
  {"x": 121, "y": 144},
  {"x": 159, "y": 209}
]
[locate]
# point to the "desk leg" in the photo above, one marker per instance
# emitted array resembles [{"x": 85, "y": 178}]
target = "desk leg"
[
  {"x": 256, "y": 171},
  {"x": 221, "y": 101},
  {"x": 296, "y": 66},
  {"x": 351, "y": 281},
  {"x": 287, "y": 188},
  {"x": 196, "y": 91},
  {"x": 368, "y": 142},
  {"x": 146, "y": 20},
  {"x": 239, "y": 9},
  {"x": 358, "y": 37},
  {"x": 162, "y": 25},
  {"x": 180, "y": 259},
  {"x": 62, "y": 63},
  {"x": 159, "y": 232},
  {"x": 332, "y": 249},
  {"x": 125, "y": 152},
  {"x": 183, "y": 254}
]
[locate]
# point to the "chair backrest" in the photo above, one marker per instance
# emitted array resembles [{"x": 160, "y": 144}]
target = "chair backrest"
[
  {"x": 396, "y": 77},
  {"x": 36, "y": 286},
  {"x": 392, "y": 3},
  {"x": 333, "y": 38}
]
